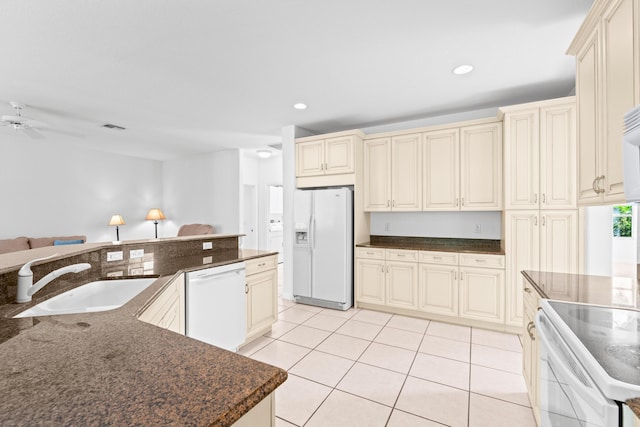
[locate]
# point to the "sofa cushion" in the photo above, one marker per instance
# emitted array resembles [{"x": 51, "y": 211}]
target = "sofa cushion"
[
  {"x": 12, "y": 245},
  {"x": 41, "y": 242},
  {"x": 67, "y": 242},
  {"x": 195, "y": 229}
]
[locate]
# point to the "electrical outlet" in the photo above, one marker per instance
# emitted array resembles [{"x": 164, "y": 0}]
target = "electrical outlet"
[
  {"x": 136, "y": 253},
  {"x": 478, "y": 228},
  {"x": 207, "y": 260},
  {"x": 207, "y": 245},
  {"x": 115, "y": 256},
  {"x": 139, "y": 271}
]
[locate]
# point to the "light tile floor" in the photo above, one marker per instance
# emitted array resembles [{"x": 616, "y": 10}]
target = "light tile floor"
[{"x": 366, "y": 368}]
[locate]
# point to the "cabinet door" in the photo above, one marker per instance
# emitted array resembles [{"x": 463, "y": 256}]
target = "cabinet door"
[
  {"x": 406, "y": 170},
  {"x": 587, "y": 75},
  {"x": 522, "y": 248},
  {"x": 310, "y": 158},
  {"x": 619, "y": 91},
  {"x": 441, "y": 170},
  {"x": 370, "y": 280},
  {"x": 558, "y": 157},
  {"x": 168, "y": 309},
  {"x": 262, "y": 303},
  {"x": 339, "y": 155},
  {"x": 481, "y": 167},
  {"x": 521, "y": 159},
  {"x": 559, "y": 241},
  {"x": 438, "y": 289},
  {"x": 482, "y": 294},
  {"x": 377, "y": 175},
  {"x": 402, "y": 284}
]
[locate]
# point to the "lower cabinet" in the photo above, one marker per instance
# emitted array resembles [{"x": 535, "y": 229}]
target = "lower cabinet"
[
  {"x": 261, "y": 415},
  {"x": 262, "y": 295},
  {"x": 467, "y": 287},
  {"x": 530, "y": 347},
  {"x": 168, "y": 309}
]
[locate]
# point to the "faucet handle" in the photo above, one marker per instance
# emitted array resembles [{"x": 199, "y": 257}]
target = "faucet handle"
[{"x": 26, "y": 269}]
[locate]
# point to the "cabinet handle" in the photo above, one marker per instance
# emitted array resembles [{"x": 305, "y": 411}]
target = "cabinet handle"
[
  {"x": 531, "y": 326},
  {"x": 601, "y": 190},
  {"x": 387, "y": 269},
  {"x": 383, "y": 268},
  {"x": 369, "y": 253},
  {"x": 388, "y": 204},
  {"x": 535, "y": 198},
  {"x": 262, "y": 264},
  {"x": 456, "y": 202},
  {"x": 326, "y": 167},
  {"x": 481, "y": 260},
  {"x": 527, "y": 290},
  {"x": 461, "y": 276},
  {"x": 437, "y": 257},
  {"x": 401, "y": 255},
  {"x": 455, "y": 276},
  {"x": 544, "y": 198},
  {"x": 246, "y": 288},
  {"x": 394, "y": 203},
  {"x": 535, "y": 220},
  {"x": 595, "y": 185},
  {"x": 463, "y": 201},
  {"x": 544, "y": 220}
]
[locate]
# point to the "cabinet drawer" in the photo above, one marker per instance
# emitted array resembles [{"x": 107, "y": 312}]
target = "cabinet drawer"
[
  {"x": 446, "y": 258},
  {"x": 482, "y": 260},
  {"x": 257, "y": 265},
  {"x": 374, "y": 253},
  {"x": 402, "y": 255}
]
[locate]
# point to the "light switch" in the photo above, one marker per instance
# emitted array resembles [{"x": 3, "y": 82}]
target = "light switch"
[{"x": 207, "y": 245}]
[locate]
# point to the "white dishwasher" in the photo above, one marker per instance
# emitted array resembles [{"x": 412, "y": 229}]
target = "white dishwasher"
[{"x": 216, "y": 305}]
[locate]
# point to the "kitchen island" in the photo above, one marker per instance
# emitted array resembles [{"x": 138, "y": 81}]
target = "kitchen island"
[{"x": 110, "y": 368}]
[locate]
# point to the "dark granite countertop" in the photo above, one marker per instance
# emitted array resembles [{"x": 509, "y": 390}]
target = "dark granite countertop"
[
  {"x": 109, "y": 368},
  {"x": 490, "y": 247}
]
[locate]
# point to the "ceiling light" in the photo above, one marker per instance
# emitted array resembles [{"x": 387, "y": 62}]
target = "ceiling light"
[
  {"x": 300, "y": 106},
  {"x": 264, "y": 154},
  {"x": 463, "y": 69}
]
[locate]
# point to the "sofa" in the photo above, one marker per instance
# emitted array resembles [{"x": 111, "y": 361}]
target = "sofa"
[{"x": 23, "y": 243}]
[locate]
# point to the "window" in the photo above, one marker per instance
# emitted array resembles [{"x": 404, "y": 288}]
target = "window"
[{"x": 622, "y": 221}]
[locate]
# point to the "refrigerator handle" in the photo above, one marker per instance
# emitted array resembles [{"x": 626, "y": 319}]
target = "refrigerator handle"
[{"x": 311, "y": 232}]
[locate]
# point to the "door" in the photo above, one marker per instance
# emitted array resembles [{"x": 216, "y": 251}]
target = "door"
[
  {"x": 371, "y": 279},
  {"x": 522, "y": 161},
  {"x": 588, "y": 120},
  {"x": 558, "y": 157},
  {"x": 250, "y": 221},
  {"x": 402, "y": 285},
  {"x": 339, "y": 155},
  {"x": 377, "y": 175},
  {"x": 481, "y": 167},
  {"x": 438, "y": 289},
  {"x": 482, "y": 294},
  {"x": 310, "y": 158},
  {"x": 331, "y": 243},
  {"x": 441, "y": 170},
  {"x": 406, "y": 170},
  {"x": 522, "y": 250}
]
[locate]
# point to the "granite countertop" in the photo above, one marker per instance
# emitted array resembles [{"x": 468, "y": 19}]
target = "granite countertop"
[
  {"x": 490, "y": 247},
  {"x": 109, "y": 368}
]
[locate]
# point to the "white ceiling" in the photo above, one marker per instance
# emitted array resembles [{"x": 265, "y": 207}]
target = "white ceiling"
[{"x": 193, "y": 76}]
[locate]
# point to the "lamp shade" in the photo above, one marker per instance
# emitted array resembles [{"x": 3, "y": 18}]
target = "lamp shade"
[
  {"x": 116, "y": 220},
  {"x": 155, "y": 214}
]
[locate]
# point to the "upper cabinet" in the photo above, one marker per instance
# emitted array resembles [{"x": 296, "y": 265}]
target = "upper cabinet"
[
  {"x": 326, "y": 160},
  {"x": 607, "y": 85},
  {"x": 539, "y": 155},
  {"x": 448, "y": 168},
  {"x": 392, "y": 173}
]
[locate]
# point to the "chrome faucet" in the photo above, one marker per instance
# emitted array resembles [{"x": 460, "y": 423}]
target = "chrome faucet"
[{"x": 26, "y": 288}]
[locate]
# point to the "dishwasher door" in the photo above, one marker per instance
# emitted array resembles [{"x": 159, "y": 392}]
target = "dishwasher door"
[{"x": 216, "y": 305}]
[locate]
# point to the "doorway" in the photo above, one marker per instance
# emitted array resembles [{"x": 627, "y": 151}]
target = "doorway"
[{"x": 250, "y": 220}]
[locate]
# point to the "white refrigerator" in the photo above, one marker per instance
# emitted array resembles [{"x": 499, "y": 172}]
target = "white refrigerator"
[{"x": 323, "y": 248}]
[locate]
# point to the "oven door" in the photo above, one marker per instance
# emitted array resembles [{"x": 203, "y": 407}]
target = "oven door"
[{"x": 568, "y": 396}]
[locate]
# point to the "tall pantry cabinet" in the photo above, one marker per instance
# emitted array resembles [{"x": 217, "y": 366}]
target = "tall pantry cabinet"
[{"x": 541, "y": 217}]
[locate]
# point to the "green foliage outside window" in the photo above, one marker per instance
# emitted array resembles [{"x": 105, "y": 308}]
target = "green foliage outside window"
[{"x": 622, "y": 221}]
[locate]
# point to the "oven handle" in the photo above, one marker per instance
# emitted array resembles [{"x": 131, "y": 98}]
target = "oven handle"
[{"x": 567, "y": 370}]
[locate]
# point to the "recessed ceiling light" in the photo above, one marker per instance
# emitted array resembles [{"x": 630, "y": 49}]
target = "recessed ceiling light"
[
  {"x": 463, "y": 69},
  {"x": 300, "y": 106},
  {"x": 265, "y": 154}
]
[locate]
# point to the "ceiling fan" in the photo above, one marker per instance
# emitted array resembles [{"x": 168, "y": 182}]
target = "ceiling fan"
[{"x": 21, "y": 123}]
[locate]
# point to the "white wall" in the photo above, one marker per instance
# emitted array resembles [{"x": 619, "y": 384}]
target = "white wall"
[
  {"x": 50, "y": 190},
  {"x": 460, "y": 225}
]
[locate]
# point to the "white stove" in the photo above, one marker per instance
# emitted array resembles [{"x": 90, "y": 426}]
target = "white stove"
[{"x": 590, "y": 363}]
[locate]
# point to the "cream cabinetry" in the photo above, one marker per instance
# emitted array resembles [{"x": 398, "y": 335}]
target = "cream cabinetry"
[
  {"x": 262, "y": 295},
  {"x": 607, "y": 85},
  {"x": 530, "y": 346},
  {"x": 326, "y": 156},
  {"x": 543, "y": 240},
  {"x": 261, "y": 415},
  {"x": 539, "y": 155},
  {"x": 482, "y": 288},
  {"x": 481, "y": 167},
  {"x": 438, "y": 283},
  {"x": 392, "y": 169},
  {"x": 370, "y": 275},
  {"x": 167, "y": 310},
  {"x": 441, "y": 170}
]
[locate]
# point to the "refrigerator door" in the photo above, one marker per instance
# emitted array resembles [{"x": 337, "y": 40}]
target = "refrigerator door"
[
  {"x": 331, "y": 245},
  {"x": 302, "y": 203}
]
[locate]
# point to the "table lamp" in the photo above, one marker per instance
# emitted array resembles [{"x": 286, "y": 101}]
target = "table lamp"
[
  {"x": 117, "y": 220},
  {"x": 155, "y": 215}
]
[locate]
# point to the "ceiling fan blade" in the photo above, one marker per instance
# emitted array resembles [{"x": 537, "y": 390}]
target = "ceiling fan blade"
[{"x": 33, "y": 134}]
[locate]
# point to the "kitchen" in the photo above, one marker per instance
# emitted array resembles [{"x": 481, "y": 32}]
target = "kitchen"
[{"x": 183, "y": 181}]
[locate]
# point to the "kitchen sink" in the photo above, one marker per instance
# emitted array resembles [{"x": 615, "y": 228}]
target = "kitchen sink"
[{"x": 101, "y": 295}]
